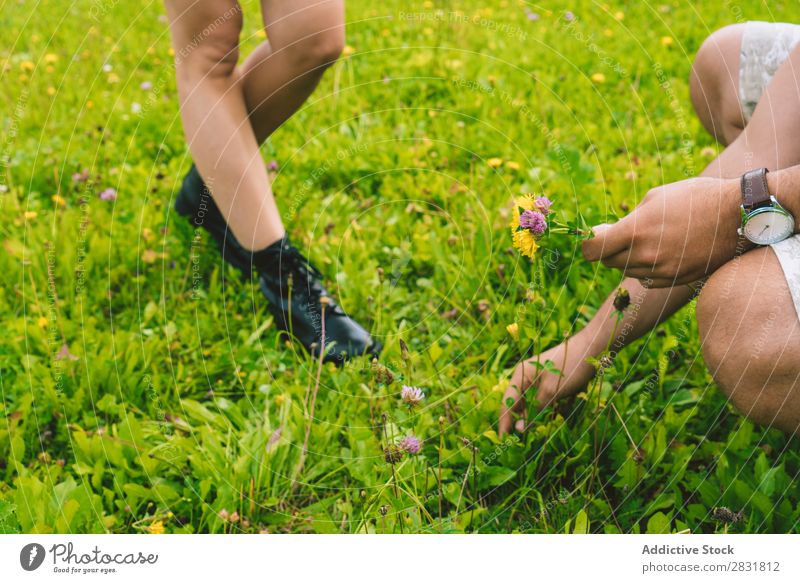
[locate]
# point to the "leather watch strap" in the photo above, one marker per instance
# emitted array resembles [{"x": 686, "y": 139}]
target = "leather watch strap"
[{"x": 755, "y": 192}]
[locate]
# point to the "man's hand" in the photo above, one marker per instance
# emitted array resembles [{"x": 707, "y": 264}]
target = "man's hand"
[{"x": 678, "y": 234}]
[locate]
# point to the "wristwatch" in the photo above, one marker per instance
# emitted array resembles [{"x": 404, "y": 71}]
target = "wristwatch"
[{"x": 764, "y": 220}]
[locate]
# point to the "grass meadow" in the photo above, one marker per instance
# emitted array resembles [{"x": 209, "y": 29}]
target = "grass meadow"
[{"x": 145, "y": 388}]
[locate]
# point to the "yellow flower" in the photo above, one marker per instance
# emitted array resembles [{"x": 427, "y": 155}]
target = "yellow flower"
[
  {"x": 526, "y": 202},
  {"x": 599, "y": 78},
  {"x": 279, "y": 399},
  {"x": 30, "y": 215},
  {"x": 27, "y": 66},
  {"x": 525, "y": 242},
  {"x": 171, "y": 52},
  {"x": 708, "y": 152},
  {"x": 156, "y": 528},
  {"x": 41, "y": 322},
  {"x": 261, "y": 33},
  {"x": 513, "y": 329},
  {"x": 149, "y": 256},
  {"x": 495, "y": 162},
  {"x": 51, "y": 90},
  {"x": 348, "y": 50},
  {"x": 667, "y": 40},
  {"x": 512, "y": 165},
  {"x": 59, "y": 200},
  {"x": 619, "y": 15},
  {"x": 50, "y": 58}
]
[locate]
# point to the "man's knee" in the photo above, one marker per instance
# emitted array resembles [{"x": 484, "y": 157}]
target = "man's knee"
[
  {"x": 749, "y": 335},
  {"x": 714, "y": 82},
  {"x": 316, "y": 52}
]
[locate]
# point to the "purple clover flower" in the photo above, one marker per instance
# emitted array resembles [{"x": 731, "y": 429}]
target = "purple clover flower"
[
  {"x": 410, "y": 444},
  {"x": 543, "y": 204},
  {"x": 534, "y": 221},
  {"x": 273, "y": 166},
  {"x": 108, "y": 194},
  {"x": 411, "y": 396}
]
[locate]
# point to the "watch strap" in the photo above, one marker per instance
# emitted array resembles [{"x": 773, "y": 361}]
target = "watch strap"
[{"x": 755, "y": 192}]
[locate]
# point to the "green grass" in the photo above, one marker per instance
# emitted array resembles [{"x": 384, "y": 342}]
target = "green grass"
[{"x": 176, "y": 398}]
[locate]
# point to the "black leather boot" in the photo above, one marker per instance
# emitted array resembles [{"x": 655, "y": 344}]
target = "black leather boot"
[{"x": 292, "y": 285}]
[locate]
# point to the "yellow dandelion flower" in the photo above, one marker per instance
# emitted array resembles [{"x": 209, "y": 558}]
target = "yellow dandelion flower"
[
  {"x": 89, "y": 104},
  {"x": 30, "y": 215},
  {"x": 41, "y": 322},
  {"x": 667, "y": 40},
  {"x": 49, "y": 69},
  {"x": 59, "y": 200},
  {"x": 348, "y": 50},
  {"x": 50, "y": 58},
  {"x": 599, "y": 78},
  {"x": 156, "y": 528},
  {"x": 27, "y": 66},
  {"x": 526, "y": 202},
  {"x": 171, "y": 52},
  {"x": 525, "y": 242},
  {"x": 513, "y": 330},
  {"x": 51, "y": 91},
  {"x": 608, "y": 32},
  {"x": 511, "y": 165},
  {"x": 23, "y": 78},
  {"x": 279, "y": 399},
  {"x": 494, "y": 162},
  {"x": 619, "y": 15}
]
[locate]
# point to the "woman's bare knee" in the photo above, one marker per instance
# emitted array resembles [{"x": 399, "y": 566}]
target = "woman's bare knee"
[
  {"x": 316, "y": 52},
  {"x": 206, "y": 37}
]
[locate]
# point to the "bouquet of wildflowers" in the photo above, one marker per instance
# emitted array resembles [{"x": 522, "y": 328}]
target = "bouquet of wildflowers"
[{"x": 529, "y": 222}]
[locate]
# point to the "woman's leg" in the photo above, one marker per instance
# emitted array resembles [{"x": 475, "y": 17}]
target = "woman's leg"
[
  {"x": 305, "y": 38},
  {"x": 714, "y": 93},
  {"x": 205, "y": 37}
]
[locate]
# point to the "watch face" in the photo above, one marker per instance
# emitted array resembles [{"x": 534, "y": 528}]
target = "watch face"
[{"x": 768, "y": 225}]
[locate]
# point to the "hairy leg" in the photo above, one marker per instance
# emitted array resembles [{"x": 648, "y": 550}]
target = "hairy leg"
[
  {"x": 205, "y": 36},
  {"x": 751, "y": 339},
  {"x": 754, "y": 147},
  {"x": 305, "y": 37}
]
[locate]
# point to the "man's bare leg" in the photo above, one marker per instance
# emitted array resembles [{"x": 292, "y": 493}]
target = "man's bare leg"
[{"x": 715, "y": 97}]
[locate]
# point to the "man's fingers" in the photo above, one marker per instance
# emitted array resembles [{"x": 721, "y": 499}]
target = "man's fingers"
[{"x": 608, "y": 240}]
